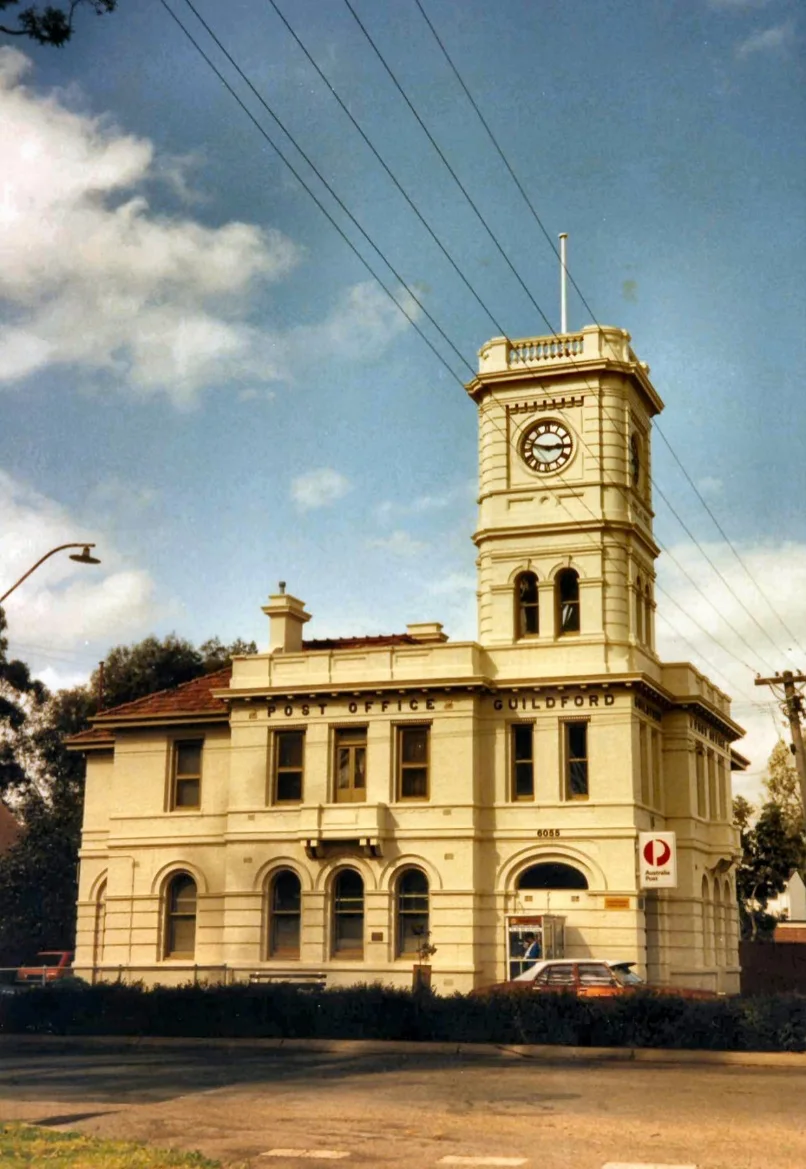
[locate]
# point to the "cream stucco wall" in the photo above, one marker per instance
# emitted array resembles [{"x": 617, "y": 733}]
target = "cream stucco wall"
[{"x": 659, "y": 740}]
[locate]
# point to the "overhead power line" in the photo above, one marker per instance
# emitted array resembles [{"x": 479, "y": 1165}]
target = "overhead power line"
[
  {"x": 502, "y": 155},
  {"x": 264, "y": 133},
  {"x": 729, "y": 543},
  {"x": 550, "y": 241},
  {"x": 302, "y": 182},
  {"x": 334, "y": 93}
]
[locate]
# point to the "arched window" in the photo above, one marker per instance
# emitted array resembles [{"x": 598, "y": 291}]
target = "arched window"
[
  {"x": 719, "y": 926},
  {"x": 568, "y": 601},
  {"x": 639, "y": 610},
  {"x": 284, "y": 915},
  {"x": 526, "y": 599},
  {"x": 180, "y": 917},
  {"x": 552, "y": 875},
  {"x": 707, "y": 924},
  {"x": 648, "y": 616},
  {"x": 731, "y": 922},
  {"x": 100, "y": 927},
  {"x": 348, "y": 915},
  {"x": 412, "y": 913}
]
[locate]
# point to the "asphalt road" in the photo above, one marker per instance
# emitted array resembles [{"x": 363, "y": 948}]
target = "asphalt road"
[{"x": 290, "y": 1108}]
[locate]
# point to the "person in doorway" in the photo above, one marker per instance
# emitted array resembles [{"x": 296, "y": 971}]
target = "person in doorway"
[{"x": 533, "y": 949}]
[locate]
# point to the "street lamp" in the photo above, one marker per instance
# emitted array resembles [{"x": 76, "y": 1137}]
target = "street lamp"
[{"x": 83, "y": 557}]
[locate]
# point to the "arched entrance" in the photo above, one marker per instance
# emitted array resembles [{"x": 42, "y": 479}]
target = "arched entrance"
[
  {"x": 539, "y": 934},
  {"x": 552, "y": 875}
]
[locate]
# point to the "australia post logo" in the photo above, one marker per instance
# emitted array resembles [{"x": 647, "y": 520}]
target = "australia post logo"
[{"x": 657, "y": 860}]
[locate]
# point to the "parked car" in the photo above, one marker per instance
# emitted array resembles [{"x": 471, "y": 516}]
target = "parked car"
[
  {"x": 47, "y": 966},
  {"x": 586, "y": 978}
]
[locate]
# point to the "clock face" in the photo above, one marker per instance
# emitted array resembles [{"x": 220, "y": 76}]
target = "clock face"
[{"x": 546, "y": 446}]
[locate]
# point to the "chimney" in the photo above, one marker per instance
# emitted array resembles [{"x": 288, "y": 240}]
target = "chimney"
[
  {"x": 286, "y": 618},
  {"x": 428, "y": 632}
]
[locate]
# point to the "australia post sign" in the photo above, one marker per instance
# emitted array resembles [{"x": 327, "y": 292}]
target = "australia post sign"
[{"x": 657, "y": 860}]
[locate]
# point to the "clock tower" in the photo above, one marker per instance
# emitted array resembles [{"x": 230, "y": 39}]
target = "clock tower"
[{"x": 566, "y": 556}]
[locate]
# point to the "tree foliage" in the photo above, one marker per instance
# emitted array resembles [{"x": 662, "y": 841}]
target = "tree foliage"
[
  {"x": 743, "y": 812},
  {"x": 783, "y": 787},
  {"x": 20, "y": 695},
  {"x": 44, "y": 782},
  {"x": 771, "y": 852},
  {"x": 51, "y": 25}
]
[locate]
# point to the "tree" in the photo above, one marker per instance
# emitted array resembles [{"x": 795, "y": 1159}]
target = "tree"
[
  {"x": 20, "y": 694},
  {"x": 743, "y": 812},
  {"x": 38, "y": 875},
  {"x": 770, "y": 854},
  {"x": 132, "y": 671},
  {"x": 51, "y": 25},
  {"x": 783, "y": 787}
]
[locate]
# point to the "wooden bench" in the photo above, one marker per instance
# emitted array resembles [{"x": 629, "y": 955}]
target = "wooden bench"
[{"x": 308, "y": 979}]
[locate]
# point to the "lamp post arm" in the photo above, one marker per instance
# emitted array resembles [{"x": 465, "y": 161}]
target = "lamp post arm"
[{"x": 42, "y": 560}]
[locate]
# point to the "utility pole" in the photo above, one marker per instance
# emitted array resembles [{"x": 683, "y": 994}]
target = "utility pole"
[{"x": 793, "y": 707}]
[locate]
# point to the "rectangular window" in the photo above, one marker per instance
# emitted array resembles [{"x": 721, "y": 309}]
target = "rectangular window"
[
  {"x": 723, "y": 789},
  {"x": 187, "y": 774},
  {"x": 643, "y": 762},
  {"x": 712, "y": 808},
  {"x": 351, "y": 765},
  {"x": 700, "y": 765},
  {"x": 657, "y": 774},
  {"x": 576, "y": 761},
  {"x": 289, "y": 748},
  {"x": 412, "y": 758},
  {"x": 523, "y": 765}
]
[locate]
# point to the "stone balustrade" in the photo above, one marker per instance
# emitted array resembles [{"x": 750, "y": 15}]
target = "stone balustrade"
[{"x": 594, "y": 343}]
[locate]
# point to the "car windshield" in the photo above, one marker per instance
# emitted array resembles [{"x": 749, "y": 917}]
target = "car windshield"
[
  {"x": 626, "y": 976},
  {"x": 47, "y": 960}
]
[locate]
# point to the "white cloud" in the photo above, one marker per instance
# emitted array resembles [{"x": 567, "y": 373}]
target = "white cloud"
[
  {"x": 780, "y": 569},
  {"x": 710, "y": 485},
  {"x": 57, "y": 678},
  {"x": 63, "y": 605},
  {"x": 361, "y": 324},
  {"x": 399, "y": 543},
  {"x": 92, "y": 278},
  {"x": 319, "y": 488},
  {"x": 769, "y": 40},
  {"x": 460, "y": 492}
]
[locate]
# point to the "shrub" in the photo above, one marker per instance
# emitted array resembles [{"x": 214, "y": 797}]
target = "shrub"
[{"x": 770, "y": 1023}]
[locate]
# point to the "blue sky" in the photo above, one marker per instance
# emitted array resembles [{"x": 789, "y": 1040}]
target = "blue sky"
[{"x": 197, "y": 373}]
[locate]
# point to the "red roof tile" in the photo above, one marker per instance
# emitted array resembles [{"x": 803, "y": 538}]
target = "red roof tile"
[
  {"x": 196, "y": 697},
  {"x": 190, "y": 698},
  {"x": 92, "y": 737}
]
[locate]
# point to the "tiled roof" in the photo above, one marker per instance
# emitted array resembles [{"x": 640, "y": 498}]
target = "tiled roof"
[
  {"x": 376, "y": 642},
  {"x": 92, "y": 737},
  {"x": 194, "y": 697},
  {"x": 197, "y": 697}
]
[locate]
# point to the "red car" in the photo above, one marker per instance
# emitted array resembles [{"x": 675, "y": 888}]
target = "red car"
[
  {"x": 586, "y": 978},
  {"x": 47, "y": 966}
]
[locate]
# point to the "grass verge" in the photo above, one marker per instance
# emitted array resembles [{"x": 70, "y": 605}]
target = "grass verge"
[{"x": 24, "y": 1146}]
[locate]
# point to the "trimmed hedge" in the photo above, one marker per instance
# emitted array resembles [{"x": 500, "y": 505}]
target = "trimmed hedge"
[{"x": 770, "y": 1023}]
